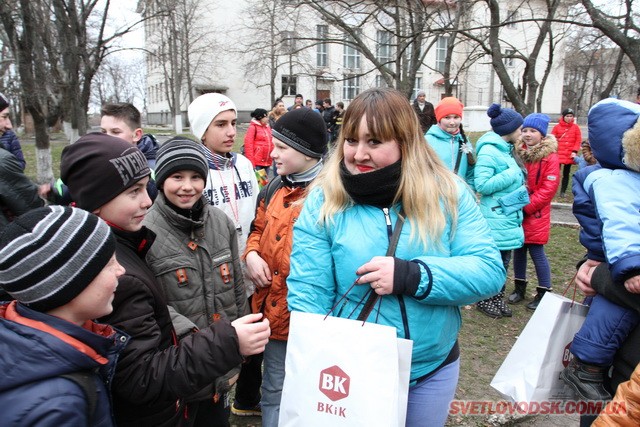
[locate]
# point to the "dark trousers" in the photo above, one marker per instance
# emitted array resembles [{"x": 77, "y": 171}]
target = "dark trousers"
[
  {"x": 213, "y": 414},
  {"x": 566, "y": 174},
  {"x": 249, "y": 382}
]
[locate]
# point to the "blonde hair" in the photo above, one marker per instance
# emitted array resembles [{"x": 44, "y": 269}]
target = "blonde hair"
[{"x": 428, "y": 190}]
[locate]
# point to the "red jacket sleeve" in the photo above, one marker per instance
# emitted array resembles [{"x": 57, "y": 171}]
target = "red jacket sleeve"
[{"x": 249, "y": 143}]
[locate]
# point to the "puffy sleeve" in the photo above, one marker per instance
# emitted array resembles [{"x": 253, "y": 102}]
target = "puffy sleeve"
[
  {"x": 619, "y": 211},
  {"x": 311, "y": 283},
  {"x": 149, "y": 371},
  {"x": 472, "y": 269}
]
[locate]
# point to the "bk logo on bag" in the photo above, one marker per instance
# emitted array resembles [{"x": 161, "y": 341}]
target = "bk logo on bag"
[
  {"x": 567, "y": 356},
  {"x": 334, "y": 383}
]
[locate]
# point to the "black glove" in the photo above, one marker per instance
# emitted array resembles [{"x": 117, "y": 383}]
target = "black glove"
[{"x": 406, "y": 277}]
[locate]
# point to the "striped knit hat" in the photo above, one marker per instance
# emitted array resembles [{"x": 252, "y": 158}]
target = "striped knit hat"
[
  {"x": 49, "y": 255},
  {"x": 178, "y": 154}
]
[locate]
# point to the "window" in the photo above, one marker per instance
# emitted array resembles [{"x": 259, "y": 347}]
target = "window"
[
  {"x": 351, "y": 87},
  {"x": 441, "y": 53},
  {"x": 417, "y": 87},
  {"x": 480, "y": 96},
  {"x": 322, "y": 54},
  {"x": 289, "y": 86},
  {"x": 508, "y": 57},
  {"x": 383, "y": 47},
  {"x": 351, "y": 55},
  {"x": 381, "y": 82},
  {"x": 288, "y": 42},
  {"x": 512, "y": 15}
]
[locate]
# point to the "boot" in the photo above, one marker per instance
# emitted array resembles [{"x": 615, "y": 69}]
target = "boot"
[
  {"x": 540, "y": 291},
  {"x": 489, "y": 308},
  {"x": 586, "y": 380},
  {"x": 501, "y": 305},
  {"x": 518, "y": 293}
]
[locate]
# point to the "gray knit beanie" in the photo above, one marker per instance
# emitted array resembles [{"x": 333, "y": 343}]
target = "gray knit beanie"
[
  {"x": 49, "y": 255},
  {"x": 180, "y": 154}
]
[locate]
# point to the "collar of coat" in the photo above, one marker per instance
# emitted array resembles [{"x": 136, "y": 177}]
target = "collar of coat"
[{"x": 534, "y": 154}]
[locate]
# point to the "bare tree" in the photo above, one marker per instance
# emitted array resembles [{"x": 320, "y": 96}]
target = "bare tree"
[
  {"x": 22, "y": 21},
  {"x": 180, "y": 45},
  {"x": 82, "y": 41},
  {"x": 119, "y": 80},
  {"x": 622, "y": 28},
  {"x": 409, "y": 29}
]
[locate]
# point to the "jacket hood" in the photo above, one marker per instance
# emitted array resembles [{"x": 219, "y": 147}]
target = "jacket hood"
[
  {"x": 614, "y": 134},
  {"x": 548, "y": 145},
  {"x": 149, "y": 146}
]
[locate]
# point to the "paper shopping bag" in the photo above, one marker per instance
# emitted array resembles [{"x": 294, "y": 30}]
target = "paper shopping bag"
[
  {"x": 341, "y": 372},
  {"x": 531, "y": 370}
]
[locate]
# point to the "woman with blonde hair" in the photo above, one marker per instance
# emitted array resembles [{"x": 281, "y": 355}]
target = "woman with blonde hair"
[{"x": 381, "y": 170}]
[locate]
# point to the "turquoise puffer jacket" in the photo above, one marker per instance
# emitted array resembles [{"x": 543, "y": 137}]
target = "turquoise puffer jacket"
[
  {"x": 448, "y": 146},
  {"x": 497, "y": 174},
  {"x": 465, "y": 268}
]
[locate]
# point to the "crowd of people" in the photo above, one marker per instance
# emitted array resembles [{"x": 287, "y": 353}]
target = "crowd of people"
[{"x": 154, "y": 278}]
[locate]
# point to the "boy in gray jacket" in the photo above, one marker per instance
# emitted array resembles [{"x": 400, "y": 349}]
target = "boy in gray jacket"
[{"x": 195, "y": 258}]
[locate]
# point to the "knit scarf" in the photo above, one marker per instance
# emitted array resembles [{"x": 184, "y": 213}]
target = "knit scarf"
[
  {"x": 303, "y": 178},
  {"x": 377, "y": 188}
]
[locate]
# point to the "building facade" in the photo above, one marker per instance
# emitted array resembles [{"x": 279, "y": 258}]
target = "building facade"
[{"x": 255, "y": 52}]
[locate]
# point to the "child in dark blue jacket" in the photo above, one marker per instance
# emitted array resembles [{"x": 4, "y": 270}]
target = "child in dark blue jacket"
[{"x": 607, "y": 205}]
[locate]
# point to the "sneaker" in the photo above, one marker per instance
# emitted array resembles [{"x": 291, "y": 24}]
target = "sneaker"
[
  {"x": 586, "y": 380},
  {"x": 241, "y": 411}
]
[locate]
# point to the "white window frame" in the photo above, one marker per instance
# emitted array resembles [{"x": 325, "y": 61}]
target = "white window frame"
[
  {"x": 350, "y": 87},
  {"x": 442, "y": 44},
  {"x": 322, "y": 52}
]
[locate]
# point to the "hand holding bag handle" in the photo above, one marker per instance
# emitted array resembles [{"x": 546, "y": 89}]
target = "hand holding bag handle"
[{"x": 393, "y": 243}]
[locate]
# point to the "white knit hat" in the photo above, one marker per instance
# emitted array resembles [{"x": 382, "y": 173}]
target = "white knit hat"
[{"x": 205, "y": 108}]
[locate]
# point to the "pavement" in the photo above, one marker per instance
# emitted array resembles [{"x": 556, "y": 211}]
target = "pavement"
[{"x": 562, "y": 215}]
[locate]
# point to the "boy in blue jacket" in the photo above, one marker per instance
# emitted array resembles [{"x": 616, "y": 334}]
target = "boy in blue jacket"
[
  {"x": 59, "y": 265},
  {"x": 607, "y": 205}
]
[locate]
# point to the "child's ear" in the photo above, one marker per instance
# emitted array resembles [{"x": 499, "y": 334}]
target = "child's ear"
[{"x": 137, "y": 135}]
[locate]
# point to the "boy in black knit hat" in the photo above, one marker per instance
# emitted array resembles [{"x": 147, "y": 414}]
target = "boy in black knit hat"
[
  {"x": 108, "y": 177},
  {"x": 197, "y": 244},
  {"x": 58, "y": 264},
  {"x": 300, "y": 142}
]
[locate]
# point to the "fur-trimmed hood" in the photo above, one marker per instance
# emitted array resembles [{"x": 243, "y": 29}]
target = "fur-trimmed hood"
[
  {"x": 534, "y": 154},
  {"x": 614, "y": 134}
]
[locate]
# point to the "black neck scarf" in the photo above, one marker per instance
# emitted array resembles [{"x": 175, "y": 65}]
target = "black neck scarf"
[{"x": 376, "y": 188}]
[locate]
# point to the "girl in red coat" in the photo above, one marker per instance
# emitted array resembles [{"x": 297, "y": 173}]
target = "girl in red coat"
[
  {"x": 257, "y": 141},
  {"x": 569, "y": 137},
  {"x": 538, "y": 151}
]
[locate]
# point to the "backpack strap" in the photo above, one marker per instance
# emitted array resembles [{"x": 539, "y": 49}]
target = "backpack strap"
[
  {"x": 268, "y": 191},
  {"x": 86, "y": 381}
]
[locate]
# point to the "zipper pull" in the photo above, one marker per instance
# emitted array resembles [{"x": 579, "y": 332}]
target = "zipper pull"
[{"x": 386, "y": 216}]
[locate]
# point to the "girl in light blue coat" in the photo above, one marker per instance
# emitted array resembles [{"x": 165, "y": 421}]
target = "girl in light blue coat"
[
  {"x": 382, "y": 168},
  {"x": 498, "y": 176},
  {"x": 448, "y": 139}
]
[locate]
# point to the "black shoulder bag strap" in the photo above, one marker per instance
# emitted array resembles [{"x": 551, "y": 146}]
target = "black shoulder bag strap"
[
  {"x": 86, "y": 381},
  {"x": 393, "y": 243}
]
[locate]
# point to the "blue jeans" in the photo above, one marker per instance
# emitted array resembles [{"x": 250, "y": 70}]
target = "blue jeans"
[
  {"x": 540, "y": 261},
  {"x": 272, "y": 381},
  {"x": 430, "y": 399}
]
